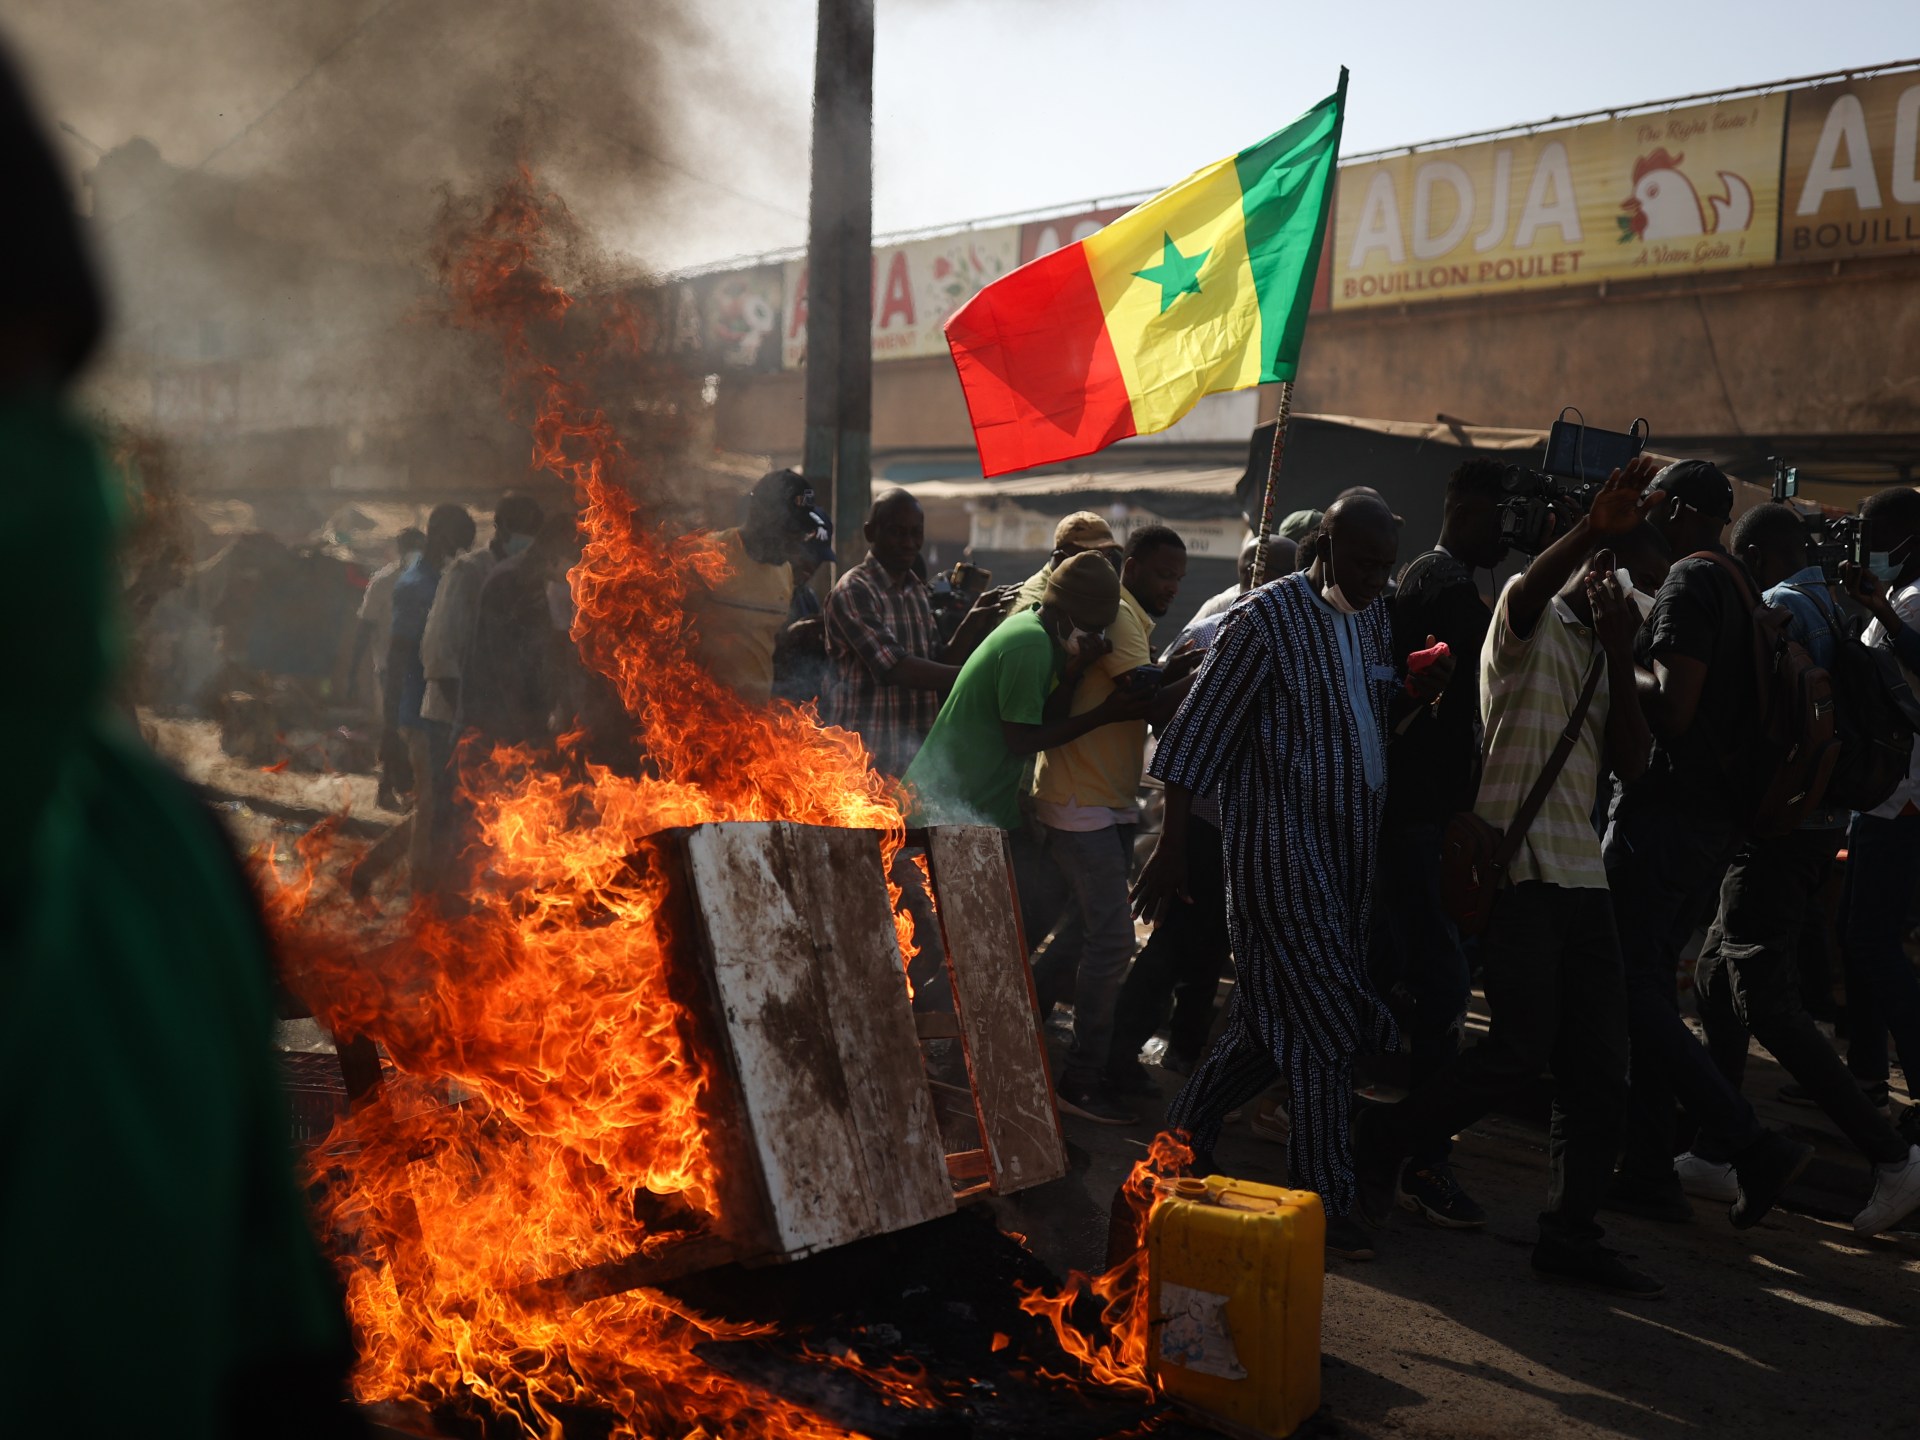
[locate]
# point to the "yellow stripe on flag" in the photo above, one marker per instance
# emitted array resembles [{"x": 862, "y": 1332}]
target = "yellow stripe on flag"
[{"x": 1200, "y": 342}]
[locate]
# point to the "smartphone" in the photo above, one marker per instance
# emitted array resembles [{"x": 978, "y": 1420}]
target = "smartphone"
[{"x": 1142, "y": 677}]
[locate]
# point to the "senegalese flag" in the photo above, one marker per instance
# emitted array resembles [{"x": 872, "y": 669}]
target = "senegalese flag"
[{"x": 1203, "y": 288}]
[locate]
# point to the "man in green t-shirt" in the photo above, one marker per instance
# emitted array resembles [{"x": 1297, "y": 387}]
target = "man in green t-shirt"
[{"x": 1012, "y": 698}]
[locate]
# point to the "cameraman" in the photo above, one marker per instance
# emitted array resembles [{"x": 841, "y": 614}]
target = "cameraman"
[
  {"x": 1673, "y": 833},
  {"x": 1747, "y": 977},
  {"x": 1433, "y": 770},
  {"x": 1883, "y": 848}
]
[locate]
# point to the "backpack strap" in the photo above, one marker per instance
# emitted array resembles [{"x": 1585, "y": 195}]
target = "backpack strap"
[{"x": 1536, "y": 797}]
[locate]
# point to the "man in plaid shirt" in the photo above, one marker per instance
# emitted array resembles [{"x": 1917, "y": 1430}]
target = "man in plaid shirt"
[{"x": 886, "y": 674}]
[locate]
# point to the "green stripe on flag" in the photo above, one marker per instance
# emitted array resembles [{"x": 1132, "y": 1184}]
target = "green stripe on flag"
[{"x": 1286, "y": 190}]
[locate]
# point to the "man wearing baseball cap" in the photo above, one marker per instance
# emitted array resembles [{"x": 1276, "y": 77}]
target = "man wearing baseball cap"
[
  {"x": 1673, "y": 833},
  {"x": 739, "y": 619},
  {"x": 1079, "y": 533}
]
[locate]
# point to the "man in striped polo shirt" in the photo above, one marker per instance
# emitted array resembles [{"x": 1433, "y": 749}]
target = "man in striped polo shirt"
[{"x": 1555, "y": 981}]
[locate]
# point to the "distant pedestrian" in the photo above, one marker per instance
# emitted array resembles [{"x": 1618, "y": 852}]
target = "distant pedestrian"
[
  {"x": 376, "y": 629},
  {"x": 888, "y": 664},
  {"x": 738, "y": 619}
]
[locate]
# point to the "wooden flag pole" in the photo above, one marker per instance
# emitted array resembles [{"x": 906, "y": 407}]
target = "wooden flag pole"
[{"x": 1273, "y": 474}]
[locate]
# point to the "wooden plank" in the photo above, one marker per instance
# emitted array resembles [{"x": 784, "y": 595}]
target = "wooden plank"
[
  {"x": 993, "y": 994},
  {"x": 967, "y": 1165},
  {"x": 937, "y": 1025},
  {"x": 857, "y": 954},
  {"x": 780, "y": 1032}
]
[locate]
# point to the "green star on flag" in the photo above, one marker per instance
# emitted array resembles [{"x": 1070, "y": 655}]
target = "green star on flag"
[{"x": 1176, "y": 274}]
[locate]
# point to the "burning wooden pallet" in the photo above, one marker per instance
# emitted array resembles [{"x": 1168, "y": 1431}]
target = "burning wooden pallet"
[{"x": 829, "y": 1126}]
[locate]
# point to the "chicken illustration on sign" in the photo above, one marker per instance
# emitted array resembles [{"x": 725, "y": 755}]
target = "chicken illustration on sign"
[{"x": 1665, "y": 205}]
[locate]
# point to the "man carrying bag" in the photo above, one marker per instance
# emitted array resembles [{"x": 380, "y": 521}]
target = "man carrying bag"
[{"x": 1558, "y": 698}]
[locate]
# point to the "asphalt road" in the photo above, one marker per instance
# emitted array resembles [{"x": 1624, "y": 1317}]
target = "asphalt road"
[{"x": 1792, "y": 1328}]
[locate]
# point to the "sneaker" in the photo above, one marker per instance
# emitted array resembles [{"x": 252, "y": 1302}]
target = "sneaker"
[
  {"x": 1132, "y": 1078},
  {"x": 1348, "y": 1238},
  {"x": 1595, "y": 1265},
  {"x": 1764, "y": 1170},
  {"x": 1705, "y": 1179},
  {"x": 1432, "y": 1191},
  {"x": 1874, "y": 1090},
  {"x": 1271, "y": 1122},
  {"x": 1091, "y": 1102},
  {"x": 1376, "y": 1174},
  {"x": 1649, "y": 1199},
  {"x": 1896, "y": 1195}
]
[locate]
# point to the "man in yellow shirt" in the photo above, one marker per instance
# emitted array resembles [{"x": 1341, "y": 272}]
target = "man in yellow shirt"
[
  {"x": 1079, "y": 532},
  {"x": 738, "y": 621},
  {"x": 1084, "y": 797}
]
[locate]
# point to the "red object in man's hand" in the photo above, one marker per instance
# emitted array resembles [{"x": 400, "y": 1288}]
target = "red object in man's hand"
[{"x": 1421, "y": 660}]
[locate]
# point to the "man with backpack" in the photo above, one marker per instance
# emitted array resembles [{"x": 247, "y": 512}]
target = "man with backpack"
[
  {"x": 1747, "y": 977},
  {"x": 1673, "y": 833}
]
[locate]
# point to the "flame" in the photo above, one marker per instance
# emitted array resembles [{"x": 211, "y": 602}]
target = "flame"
[
  {"x": 547, "y": 1114},
  {"x": 1115, "y": 1351}
]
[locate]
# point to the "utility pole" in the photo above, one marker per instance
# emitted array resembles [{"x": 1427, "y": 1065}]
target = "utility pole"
[{"x": 839, "y": 438}]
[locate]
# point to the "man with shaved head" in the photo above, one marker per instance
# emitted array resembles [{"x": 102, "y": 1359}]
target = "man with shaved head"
[
  {"x": 1288, "y": 719},
  {"x": 886, "y": 664}
]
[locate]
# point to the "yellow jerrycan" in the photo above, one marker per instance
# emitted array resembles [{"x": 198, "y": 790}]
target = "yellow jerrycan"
[{"x": 1234, "y": 1277}]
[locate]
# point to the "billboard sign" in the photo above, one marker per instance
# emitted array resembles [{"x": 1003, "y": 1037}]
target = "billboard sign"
[
  {"x": 1673, "y": 191},
  {"x": 916, "y": 286},
  {"x": 728, "y": 321},
  {"x": 1852, "y": 171}
]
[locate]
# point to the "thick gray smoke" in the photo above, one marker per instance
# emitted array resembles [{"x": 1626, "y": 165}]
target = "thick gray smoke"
[{"x": 263, "y": 181}]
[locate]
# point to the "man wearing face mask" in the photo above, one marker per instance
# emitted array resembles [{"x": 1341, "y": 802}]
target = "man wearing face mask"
[
  {"x": 1013, "y": 698},
  {"x": 1555, "y": 982},
  {"x": 1747, "y": 978},
  {"x": 1288, "y": 719},
  {"x": 1080, "y": 533},
  {"x": 1673, "y": 834}
]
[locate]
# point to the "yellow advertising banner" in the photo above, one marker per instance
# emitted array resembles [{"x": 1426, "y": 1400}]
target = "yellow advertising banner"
[
  {"x": 1662, "y": 193},
  {"x": 1852, "y": 170}
]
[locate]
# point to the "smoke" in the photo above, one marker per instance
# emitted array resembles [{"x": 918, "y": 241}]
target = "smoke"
[{"x": 264, "y": 183}]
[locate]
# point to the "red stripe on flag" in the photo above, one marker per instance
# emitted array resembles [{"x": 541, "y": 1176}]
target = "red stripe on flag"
[{"x": 1038, "y": 367}]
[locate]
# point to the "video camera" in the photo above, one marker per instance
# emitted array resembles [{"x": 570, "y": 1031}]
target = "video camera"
[
  {"x": 1540, "y": 504},
  {"x": 1831, "y": 539}
]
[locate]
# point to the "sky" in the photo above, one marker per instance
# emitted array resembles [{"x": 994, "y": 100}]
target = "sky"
[{"x": 981, "y": 106}]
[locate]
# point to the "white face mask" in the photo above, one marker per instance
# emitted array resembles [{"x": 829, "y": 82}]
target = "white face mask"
[
  {"x": 1642, "y": 601},
  {"x": 1335, "y": 596}
]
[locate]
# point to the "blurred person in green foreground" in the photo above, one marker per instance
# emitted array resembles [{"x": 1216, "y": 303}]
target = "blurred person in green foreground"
[{"x": 157, "y": 1277}]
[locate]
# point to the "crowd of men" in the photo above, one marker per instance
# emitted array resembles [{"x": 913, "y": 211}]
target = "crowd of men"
[{"x": 1314, "y": 734}]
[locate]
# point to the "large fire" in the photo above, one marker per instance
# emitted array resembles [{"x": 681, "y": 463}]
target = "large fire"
[{"x": 543, "y": 1007}]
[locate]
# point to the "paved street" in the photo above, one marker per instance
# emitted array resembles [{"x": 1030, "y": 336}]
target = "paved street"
[{"x": 1795, "y": 1326}]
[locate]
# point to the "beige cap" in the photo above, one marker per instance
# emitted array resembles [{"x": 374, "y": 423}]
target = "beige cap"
[
  {"x": 1087, "y": 587},
  {"x": 1085, "y": 531}
]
